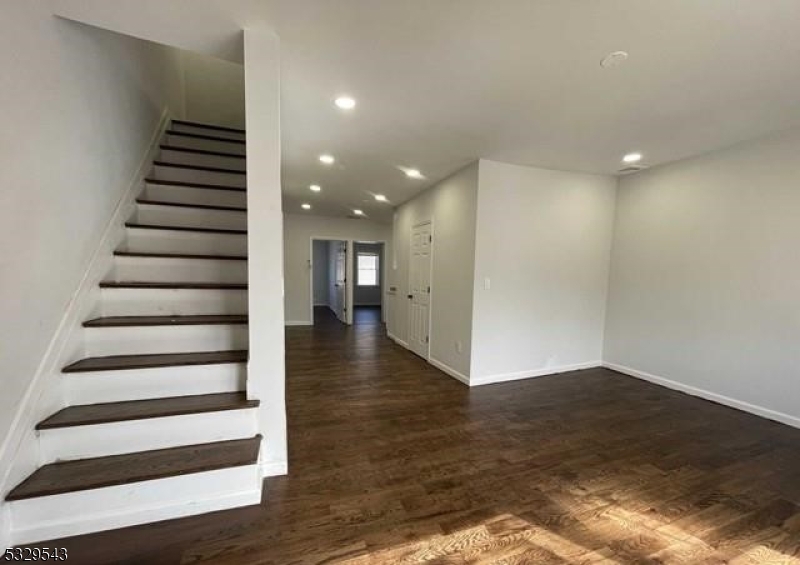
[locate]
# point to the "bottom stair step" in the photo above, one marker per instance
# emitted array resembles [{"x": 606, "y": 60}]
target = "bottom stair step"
[
  {"x": 85, "y": 474},
  {"x": 90, "y": 414}
]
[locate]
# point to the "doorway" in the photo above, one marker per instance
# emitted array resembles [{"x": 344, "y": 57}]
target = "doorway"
[
  {"x": 420, "y": 289},
  {"x": 368, "y": 286},
  {"x": 329, "y": 280}
]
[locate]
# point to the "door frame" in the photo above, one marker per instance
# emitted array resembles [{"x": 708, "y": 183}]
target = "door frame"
[
  {"x": 348, "y": 286},
  {"x": 408, "y": 287}
]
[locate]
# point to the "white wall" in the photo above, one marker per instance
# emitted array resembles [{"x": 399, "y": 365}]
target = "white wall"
[
  {"x": 214, "y": 90},
  {"x": 544, "y": 242},
  {"x": 321, "y": 277},
  {"x": 266, "y": 372},
  {"x": 80, "y": 108},
  {"x": 705, "y": 278},
  {"x": 298, "y": 231},
  {"x": 451, "y": 204}
]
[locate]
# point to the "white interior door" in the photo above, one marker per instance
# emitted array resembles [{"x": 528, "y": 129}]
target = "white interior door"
[
  {"x": 341, "y": 281},
  {"x": 420, "y": 289}
]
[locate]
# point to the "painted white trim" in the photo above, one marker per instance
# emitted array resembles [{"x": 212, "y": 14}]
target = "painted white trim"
[
  {"x": 298, "y": 323},
  {"x": 543, "y": 372},
  {"x": 448, "y": 370},
  {"x": 707, "y": 395},
  {"x": 46, "y": 379},
  {"x": 273, "y": 468},
  {"x": 397, "y": 340}
]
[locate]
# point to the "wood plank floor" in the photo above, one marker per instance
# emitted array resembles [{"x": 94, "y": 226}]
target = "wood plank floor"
[{"x": 391, "y": 461}]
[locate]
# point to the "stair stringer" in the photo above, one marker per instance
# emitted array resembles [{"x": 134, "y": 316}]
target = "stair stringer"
[{"x": 20, "y": 453}]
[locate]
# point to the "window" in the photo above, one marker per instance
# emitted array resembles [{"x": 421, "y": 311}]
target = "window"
[{"x": 368, "y": 269}]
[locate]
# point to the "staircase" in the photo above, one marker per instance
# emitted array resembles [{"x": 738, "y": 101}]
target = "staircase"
[{"x": 158, "y": 424}]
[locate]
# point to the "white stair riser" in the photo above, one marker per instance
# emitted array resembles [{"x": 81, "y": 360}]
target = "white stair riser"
[
  {"x": 172, "y": 241},
  {"x": 141, "y": 384},
  {"x": 189, "y": 158},
  {"x": 203, "y": 177},
  {"x": 172, "y": 269},
  {"x": 51, "y": 517},
  {"x": 143, "y": 340},
  {"x": 172, "y": 302},
  {"x": 205, "y": 144},
  {"x": 81, "y": 442},
  {"x": 192, "y": 195},
  {"x": 192, "y": 217},
  {"x": 200, "y": 130}
]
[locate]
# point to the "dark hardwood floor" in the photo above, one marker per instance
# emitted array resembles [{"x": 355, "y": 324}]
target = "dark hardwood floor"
[{"x": 391, "y": 461}]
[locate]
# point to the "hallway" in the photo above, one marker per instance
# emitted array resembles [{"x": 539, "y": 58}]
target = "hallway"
[{"x": 392, "y": 461}]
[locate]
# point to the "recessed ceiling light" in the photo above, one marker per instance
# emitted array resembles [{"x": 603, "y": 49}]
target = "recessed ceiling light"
[
  {"x": 632, "y": 158},
  {"x": 345, "y": 103},
  {"x": 614, "y": 59},
  {"x": 315, "y": 187},
  {"x": 380, "y": 198},
  {"x": 306, "y": 206},
  {"x": 358, "y": 212},
  {"x": 413, "y": 173},
  {"x": 327, "y": 159}
]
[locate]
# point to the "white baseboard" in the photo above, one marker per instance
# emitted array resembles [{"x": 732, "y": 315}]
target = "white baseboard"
[
  {"x": 397, "y": 340},
  {"x": 543, "y": 372},
  {"x": 707, "y": 395},
  {"x": 273, "y": 468},
  {"x": 45, "y": 392},
  {"x": 448, "y": 370},
  {"x": 298, "y": 323}
]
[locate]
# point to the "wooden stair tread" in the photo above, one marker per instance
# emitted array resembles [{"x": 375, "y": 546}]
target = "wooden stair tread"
[
  {"x": 89, "y": 414},
  {"x": 202, "y": 319},
  {"x": 199, "y": 168},
  {"x": 167, "y": 147},
  {"x": 204, "y": 136},
  {"x": 137, "y": 225},
  {"x": 189, "y": 205},
  {"x": 185, "y": 184},
  {"x": 173, "y": 285},
  {"x": 113, "y": 470},
  {"x": 149, "y": 361},
  {"x": 209, "y": 126},
  {"x": 179, "y": 255}
]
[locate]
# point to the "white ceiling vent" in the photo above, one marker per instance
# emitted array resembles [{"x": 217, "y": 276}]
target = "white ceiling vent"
[{"x": 631, "y": 169}]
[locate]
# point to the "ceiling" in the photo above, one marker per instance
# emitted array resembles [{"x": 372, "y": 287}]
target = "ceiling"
[{"x": 440, "y": 83}]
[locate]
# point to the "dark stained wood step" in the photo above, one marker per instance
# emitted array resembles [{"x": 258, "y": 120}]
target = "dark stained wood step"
[
  {"x": 184, "y": 184},
  {"x": 149, "y": 361},
  {"x": 195, "y": 320},
  {"x": 208, "y": 126},
  {"x": 202, "y": 151},
  {"x": 91, "y": 414},
  {"x": 180, "y": 256},
  {"x": 173, "y": 285},
  {"x": 199, "y": 168},
  {"x": 203, "y": 136},
  {"x": 136, "y": 225},
  {"x": 99, "y": 472},
  {"x": 188, "y": 205}
]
